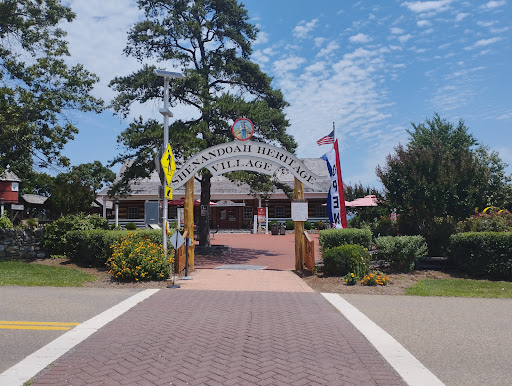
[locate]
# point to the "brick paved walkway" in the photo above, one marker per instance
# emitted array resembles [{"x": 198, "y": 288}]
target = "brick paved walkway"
[
  {"x": 287, "y": 335},
  {"x": 274, "y": 252}
]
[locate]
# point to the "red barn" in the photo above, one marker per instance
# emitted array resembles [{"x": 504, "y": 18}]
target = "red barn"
[{"x": 9, "y": 187}]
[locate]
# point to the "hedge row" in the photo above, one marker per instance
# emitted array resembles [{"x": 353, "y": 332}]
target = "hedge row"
[
  {"x": 93, "y": 247},
  {"x": 482, "y": 254},
  {"x": 331, "y": 238}
]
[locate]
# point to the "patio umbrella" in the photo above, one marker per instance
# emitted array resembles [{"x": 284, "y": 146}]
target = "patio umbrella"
[{"x": 369, "y": 200}]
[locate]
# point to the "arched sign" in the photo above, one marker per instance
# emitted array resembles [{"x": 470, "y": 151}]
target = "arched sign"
[{"x": 248, "y": 155}]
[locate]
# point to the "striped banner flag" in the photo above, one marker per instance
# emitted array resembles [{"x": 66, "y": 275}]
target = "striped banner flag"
[
  {"x": 327, "y": 139},
  {"x": 336, "y": 198}
]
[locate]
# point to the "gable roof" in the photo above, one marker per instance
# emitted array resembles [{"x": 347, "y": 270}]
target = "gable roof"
[{"x": 9, "y": 176}]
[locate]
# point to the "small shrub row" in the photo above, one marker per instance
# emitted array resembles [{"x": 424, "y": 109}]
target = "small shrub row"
[
  {"x": 93, "y": 247},
  {"x": 401, "y": 251},
  {"x": 349, "y": 258},
  {"x": 331, "y": 238},
  {"x": 55, "y": 234},
  {"x": 482, "y": 254}
]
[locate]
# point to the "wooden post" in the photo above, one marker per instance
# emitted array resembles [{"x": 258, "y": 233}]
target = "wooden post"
[
  {"x": 298, "y": 194},
  {"x": 189, "y": 220}
]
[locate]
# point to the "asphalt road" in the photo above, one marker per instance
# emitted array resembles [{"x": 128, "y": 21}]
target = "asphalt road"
[
  {"x": 48, "y": 304},
  {"x": 463, "y": 341}
]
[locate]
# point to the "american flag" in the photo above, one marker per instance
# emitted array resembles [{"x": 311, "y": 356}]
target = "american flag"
[{"x": 327, "y": 139}]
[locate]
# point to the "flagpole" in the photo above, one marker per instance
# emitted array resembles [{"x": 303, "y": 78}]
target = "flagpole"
[{"x": 334, "y": 133}]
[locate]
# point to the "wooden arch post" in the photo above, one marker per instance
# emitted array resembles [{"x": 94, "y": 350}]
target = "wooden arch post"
[
  {"x": 189, "y": 220},
  {"x": 298, "y": 194}
]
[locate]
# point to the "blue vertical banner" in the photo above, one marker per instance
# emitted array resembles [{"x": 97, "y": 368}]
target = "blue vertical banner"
[{"x": 336, "y": 198}]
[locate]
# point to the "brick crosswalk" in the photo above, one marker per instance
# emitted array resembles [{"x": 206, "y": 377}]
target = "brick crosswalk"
[{"x": 225, "y": 337}]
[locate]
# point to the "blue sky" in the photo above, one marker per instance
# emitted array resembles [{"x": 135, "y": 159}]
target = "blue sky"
[{"x": 371, "y": 67}]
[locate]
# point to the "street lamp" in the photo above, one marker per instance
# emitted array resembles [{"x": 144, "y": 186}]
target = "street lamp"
[
  {"x": 116, "y": 203},
  {"x": 166, "y": 113}
]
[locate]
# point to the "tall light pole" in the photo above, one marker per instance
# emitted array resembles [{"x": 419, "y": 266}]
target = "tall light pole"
[{"x": 166, "y": 113}]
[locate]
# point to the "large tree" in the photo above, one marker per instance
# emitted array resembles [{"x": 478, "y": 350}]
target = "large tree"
[
  {"x": 210, "y": 42},
  {"x": 75, "y": 191},
  {"x": 441, "y": 172},
  {"x": 37, "y": 87}
]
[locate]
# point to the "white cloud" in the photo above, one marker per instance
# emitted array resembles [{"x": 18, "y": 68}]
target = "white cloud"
[
  {"x": 486, "y": 23},
  {"x": 283, "y": 66},
  {"x": 360, "y": 38},
  {"x": 319, "y": 41},
  {"x": 397, "y": 31},
  {"x": 461, "y": 16},
  {"x": 499, "y": 30},
  {"x": 494, "y": 4},
  {"x": 331, "y": 47},
  {"x": 404, "y": 38},
  {"x": 427, "y": 6},
  {"x": 484, "y": 42},
  {"x": 262, "y": 38},
  {"x": 423, "y": 23},
  {"x": 302, "y": 30}
]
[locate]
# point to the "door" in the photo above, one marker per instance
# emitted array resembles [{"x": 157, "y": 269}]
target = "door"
[{"x": 151, "y": 213}]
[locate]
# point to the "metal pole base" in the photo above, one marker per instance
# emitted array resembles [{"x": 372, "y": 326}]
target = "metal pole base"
[
  {"x": 173, "y": 286},
  {"x": 186, "y": 278}
]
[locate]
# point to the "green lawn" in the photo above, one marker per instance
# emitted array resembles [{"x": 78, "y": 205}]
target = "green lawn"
[
  {"x": 25, "y": 274},
  {"x": 461, "y": 288}
]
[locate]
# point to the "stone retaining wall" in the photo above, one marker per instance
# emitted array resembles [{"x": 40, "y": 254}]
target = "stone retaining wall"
[{"x": 21, "y": 244}]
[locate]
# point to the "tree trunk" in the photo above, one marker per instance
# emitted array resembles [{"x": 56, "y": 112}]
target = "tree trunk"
[{"x": 204, "y": 221}]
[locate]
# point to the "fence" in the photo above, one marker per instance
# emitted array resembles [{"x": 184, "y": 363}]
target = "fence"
[{"x": 309, "y": 252}]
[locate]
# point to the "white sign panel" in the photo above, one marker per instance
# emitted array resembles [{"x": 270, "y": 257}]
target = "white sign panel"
[
  {"x": 299, "y": 211},
  {"x": 229, "y": 203},
  {"x": 17, "y": 207}
]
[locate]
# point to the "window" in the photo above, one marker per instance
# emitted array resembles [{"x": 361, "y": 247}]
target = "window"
[
  {"x": 173, "y": 212},
  {"x": 279, "y": 211},
  {"x": 15, "y": 186},
  {"x": 248, "y": 212},
  {"x": 321, "y": 211},
  {"x": 133, "y": 213}
]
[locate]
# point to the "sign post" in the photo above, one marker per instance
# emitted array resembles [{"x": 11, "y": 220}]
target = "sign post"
[{"x": 168, "y": 167}]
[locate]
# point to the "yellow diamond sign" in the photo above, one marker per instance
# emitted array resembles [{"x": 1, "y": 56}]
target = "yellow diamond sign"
[{"x": 168, "y": 165}]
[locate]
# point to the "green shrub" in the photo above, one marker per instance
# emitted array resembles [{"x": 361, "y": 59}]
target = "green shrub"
[
  {"x": 489, "y": 222},
  {"x": 138, "y": 258},
  {"x": 331, "y": 238},
  {"x": 320, "y": 225},
  {"x": 289, "y": 225},
  {"x": 384, "y": 226},
  {"x": 482, "y": 254},
  {"x": 5, "y": 222},
  {"x": 401, "y": 251},
  {"x": 131, "y": 226},
  {"x": 349, "y": 258},
  {"x": 93, "y": 247},
  {"x": 55, "y": 234}
]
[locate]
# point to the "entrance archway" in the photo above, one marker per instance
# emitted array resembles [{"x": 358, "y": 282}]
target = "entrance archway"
[{"x": 249, "y": 156}]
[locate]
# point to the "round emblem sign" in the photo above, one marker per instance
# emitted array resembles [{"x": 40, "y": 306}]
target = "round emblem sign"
[{"x": 242, "y": 129}]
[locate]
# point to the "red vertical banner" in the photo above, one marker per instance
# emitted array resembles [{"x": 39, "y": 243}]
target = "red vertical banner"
[{"x": 262, "y": 215}]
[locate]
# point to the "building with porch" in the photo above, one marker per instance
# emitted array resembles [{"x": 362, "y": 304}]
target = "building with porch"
[{"x": 232, "y": 205}]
